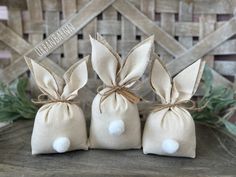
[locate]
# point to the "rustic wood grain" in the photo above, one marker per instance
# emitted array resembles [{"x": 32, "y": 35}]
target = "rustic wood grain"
[
  {"x": 21, "y": 46},
  {"x": 202, "y": 47},
  {"x": 70, "y": 46},
  {"x": 181, "y": 28},
  {"x": 204, "y": 30},
  {"x": 167, "y": 24},
  {"x": 186, "y": 15},
  {"x": 35, "y": 37},
  {"x": 86, "y": 14},
  {"x": 85, "y": 93},
  {"x": 16, "y": 159},
  {"x": 200, "y": 6},
  {"x": 52, "y": 23},
  {"x": 183, "y": 56},
  {"x": 148, "y": 27},
  {"x": 14, "y": 21}
]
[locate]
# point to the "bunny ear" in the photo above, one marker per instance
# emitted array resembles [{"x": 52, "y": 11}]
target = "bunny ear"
[
  {"x": 186, "y": 81},
  {"x": 161, "y": 81},
  {"x": 104, "y": 42},
  {"x": 44, "y": 79},
  {"x": 104, "y": 62},
  {"x": 75, "y": 77},
  {"x": 136, "y": 61},
  {"x": 199, "y": 76}
]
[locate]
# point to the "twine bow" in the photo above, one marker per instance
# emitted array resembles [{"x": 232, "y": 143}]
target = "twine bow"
[
  {"x": 120, "y": 89},
  {"x": 41, "y": 100},
  {"x": 186, "y": 104}
]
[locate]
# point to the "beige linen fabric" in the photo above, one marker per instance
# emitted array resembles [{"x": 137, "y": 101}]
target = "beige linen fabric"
[
  {"x": 108, "y": 65},
  {"x": 173, "y": 123},
  {"x": 59, "y": 119}
]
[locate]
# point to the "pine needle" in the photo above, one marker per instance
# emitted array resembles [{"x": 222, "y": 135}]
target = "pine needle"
[
  {"x": 15, "y": 102},
  {"x": 220, "y": 108}
]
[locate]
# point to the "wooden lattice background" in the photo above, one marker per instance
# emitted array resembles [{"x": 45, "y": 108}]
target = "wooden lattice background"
[{"x": 178, "y": 26}]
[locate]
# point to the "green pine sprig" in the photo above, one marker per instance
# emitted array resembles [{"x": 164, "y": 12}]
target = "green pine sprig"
[
  {"x": 15, "y": 102},
  {"x": 221, "y": 105}
]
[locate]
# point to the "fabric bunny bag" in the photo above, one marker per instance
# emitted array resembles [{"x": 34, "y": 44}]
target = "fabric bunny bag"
[
  {"x": 115, "y": 122},
  {"x": 59, "y": 124},
  {"x": 169, "y": 129}
]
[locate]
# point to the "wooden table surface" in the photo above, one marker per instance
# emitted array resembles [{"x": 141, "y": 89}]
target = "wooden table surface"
[{"x": 213, "y": 158}]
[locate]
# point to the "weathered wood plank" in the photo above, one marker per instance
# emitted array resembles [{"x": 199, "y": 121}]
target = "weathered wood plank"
[
  {"x": 167, "y": 24},
  {"x": 128, "y": 36},
  {"x": 200, "y": 6},
  {"x": 226, "y": 67},
  {"x": 14, "y": 4},
  {"x": 109, "y": 27},
  {"x": 52, "y": 5},
  {"x": 16, "y": 159},
  {"x": 110, "y": 14},
  {"x": 203, "y": 47},
  {"x": 186, "y": 15},
  {"x": 15, "y": 20},
  {"x": 52, "y": 23},
  {"x": 204, "y": 31},
  {"x": 15, "y": 23},
  {"x": 21, "y": 46},
  {"x": 177, "y": 49},
  {"x": 147, "y": 7},
  {"x": 215, "y": 7},
  {"x": 148, "y": 27},
  {"x": 8, "y": 55},
  {"x": 70, "y": 46},
  {"x": 84, "y": 16},
  {"x": 187, "y": 29},
  {"x": 35, "y": 21},
  {"x": 226, "y": 48},
  {"x": 85, "y": 94},
  {"x": 26, "y": 22}
]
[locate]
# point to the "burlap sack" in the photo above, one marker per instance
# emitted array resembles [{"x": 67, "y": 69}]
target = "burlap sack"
[
  {"x": 171, "y": 130},
  {"x": 115, "y": 122},
  {"x": 59, "y": 124}
]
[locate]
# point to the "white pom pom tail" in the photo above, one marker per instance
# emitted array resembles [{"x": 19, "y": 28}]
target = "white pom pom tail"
[
  {"x": 170, "y": 146},
  {"x": 61, "y": 144},
  {"x": 116, "y": 127}
]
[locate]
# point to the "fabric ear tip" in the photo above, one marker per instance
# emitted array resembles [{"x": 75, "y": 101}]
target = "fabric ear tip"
[
  {"x": 86, "y": 58},
  {"x": 152, "y": 37},
  {"x": 27, "y": 58},
  {"x": 98, "y": 35},
  {"x": 91, "y": 38}
]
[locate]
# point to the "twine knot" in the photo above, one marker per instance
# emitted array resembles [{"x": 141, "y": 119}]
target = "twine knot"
[
  {"x": 44, "y": 99},
  {"x": 120, "y": 89},
  {"x": 186, "y": 104}
]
